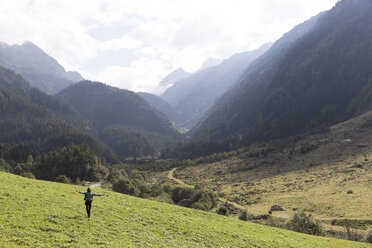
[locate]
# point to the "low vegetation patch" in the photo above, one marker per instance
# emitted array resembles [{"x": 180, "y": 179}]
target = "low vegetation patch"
[{"x": 304, "y": 223}]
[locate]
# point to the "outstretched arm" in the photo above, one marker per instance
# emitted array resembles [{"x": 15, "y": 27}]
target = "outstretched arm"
[
  {"x": 98, "y": 194},
  {"x": 79, "y": 192}
]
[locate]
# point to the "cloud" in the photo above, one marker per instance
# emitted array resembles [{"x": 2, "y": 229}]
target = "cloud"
[
  {"x": 152, "y": 37},
  {"x": 138, "y": 76}
]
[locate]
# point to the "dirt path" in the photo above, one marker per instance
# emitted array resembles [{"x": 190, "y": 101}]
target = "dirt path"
[
  {"x": 93, "y": 185},
  {"x": 171, "y": 177},
  {"x": 183, "y": 184}
]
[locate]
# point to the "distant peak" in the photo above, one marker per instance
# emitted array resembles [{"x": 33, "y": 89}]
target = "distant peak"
[
  {"x": 74, "y": 76},
  {"x": 266, "y": 46},
  {"x": 174, "y": 76},
  {"x": 179, "y": 70},
  {"x": 3, "y": 44},
  {"x": 209, "y": 62},
  {"x": 29, "y": 44}
]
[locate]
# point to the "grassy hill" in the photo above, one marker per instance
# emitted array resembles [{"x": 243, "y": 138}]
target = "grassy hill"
[{"x": 44, "y": 214}]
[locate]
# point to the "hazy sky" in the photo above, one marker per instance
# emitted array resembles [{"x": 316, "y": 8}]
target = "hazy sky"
[{"x": 133, "y": 44}]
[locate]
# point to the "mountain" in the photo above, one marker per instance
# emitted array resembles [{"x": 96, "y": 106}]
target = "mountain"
[
  {"x": 172, "y": 78},
  {"x": 41, "y": 122},
  {"x": 121, "y": 118},
  {"x": 304, "y": 84},
  {"x": 37, "y": 67},
  {"x": 210, "y": 62},
  {"x": 160, "y": 104},
  {"x": 192, "y": 96}
]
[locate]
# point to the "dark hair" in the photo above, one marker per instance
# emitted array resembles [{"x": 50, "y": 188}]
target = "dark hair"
[{"x": 88, "y": 189}]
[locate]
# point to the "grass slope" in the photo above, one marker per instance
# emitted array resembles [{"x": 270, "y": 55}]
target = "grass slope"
[{"x": 44, "y": 214}]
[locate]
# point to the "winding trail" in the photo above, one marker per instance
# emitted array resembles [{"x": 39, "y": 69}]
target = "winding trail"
[{"x": 183, "y": 184}]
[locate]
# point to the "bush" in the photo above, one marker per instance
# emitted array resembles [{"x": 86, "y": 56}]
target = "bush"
[
  {"x": 200, "y": 206},
  {"x": 156, "y": 190},
  {"x": 275, "y": 222},
  {"x": 222, "y": 210},
  {"x": 301, "y": 222},
  {"x": 28, "y": 175},
  {"x": 126, "y": 187},
  {"x": 62, "y": 179},
  {"x": 245, "y": 215},
  {"x": 4, "y": 166},
  {"x": 180, "y": 193},
  {"x": 150, "y": 190},
  {"x": 368, "y": 236},
  {"x": 351, "y": 234},
  {"x": 164, "y": 197},
  {"x": 207, "y": 198}
]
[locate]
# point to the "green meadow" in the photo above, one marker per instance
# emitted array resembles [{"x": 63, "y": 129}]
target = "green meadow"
[{"x": 44, "y": 214}]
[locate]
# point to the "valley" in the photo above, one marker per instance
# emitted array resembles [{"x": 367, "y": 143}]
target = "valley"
[
  {"x": 268, "y": 144},
  {"x": 312, "y": 173}
]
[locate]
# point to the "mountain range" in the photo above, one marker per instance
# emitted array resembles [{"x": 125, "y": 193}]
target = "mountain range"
[
  {"x": 86, "y": 112},
  {"x": 121, "y": 118},
  {"x": 172, "y": 78},
  {"x": 161, "y": 105},
  {"x": 38, "y": 68},
  {"x": 192, "y": 96},
  {"x": 42, "y": 123},
  {"x": 314, "y": 76}
]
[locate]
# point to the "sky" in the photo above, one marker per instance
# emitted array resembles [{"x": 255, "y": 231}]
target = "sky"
[{"x": 134, "y": 44}]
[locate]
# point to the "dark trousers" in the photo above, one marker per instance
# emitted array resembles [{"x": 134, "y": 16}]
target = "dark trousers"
[{"x": 88, "y": 205}]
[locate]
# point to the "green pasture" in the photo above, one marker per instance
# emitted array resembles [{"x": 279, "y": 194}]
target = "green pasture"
[{"x": 44, "y": 214}]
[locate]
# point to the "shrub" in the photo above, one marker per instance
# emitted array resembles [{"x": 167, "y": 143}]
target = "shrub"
[
  {"x": 4, "y": 166},
  {"x": 126, "y": 187},
  {"x": 145, "y": 191},
  {"x": 200, "y": 206},
  {"x": 301, "y": 222},
  {"x": 150, "y": 190},
  {"x": 207, "y": 198},
  {"x": 275, "y": 222},
  {"x": 222, "y": 210},
  {"x": 156, "y": 190},
  {"x": 180, "y": 193},
  {"x": 245, "y": 215},
  {"x": 62, "y": 179},
  {"x": 164, "y": 197},
  {"x": 28, "y": 175},
  {"x": 368, "y": 236},
  {"x": 352, "y": 234}
]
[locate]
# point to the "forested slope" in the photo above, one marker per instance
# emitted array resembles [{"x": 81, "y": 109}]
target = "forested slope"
[{"x": 319, "y": 79}]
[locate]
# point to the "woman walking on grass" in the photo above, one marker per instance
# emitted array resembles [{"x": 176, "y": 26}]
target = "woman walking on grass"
[{"x": 88, "y": 197}]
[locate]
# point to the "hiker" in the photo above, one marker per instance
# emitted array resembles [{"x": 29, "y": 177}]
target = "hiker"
[{"x": 88, "y": 197}]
